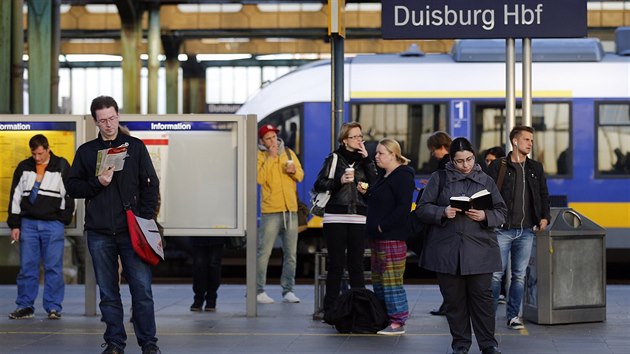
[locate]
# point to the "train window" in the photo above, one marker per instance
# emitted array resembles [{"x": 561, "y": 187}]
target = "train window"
[
  {"x": 409, "y": 124},
  {"x": 288, "y": 121},
  {"x": 551, "y": 141},
  {"x": 613, "y": 139}
]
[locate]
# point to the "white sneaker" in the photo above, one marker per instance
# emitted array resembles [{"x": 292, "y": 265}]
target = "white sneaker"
[
  {"x": 290, "y": 297},
  {"x": 263, "y": 298}
]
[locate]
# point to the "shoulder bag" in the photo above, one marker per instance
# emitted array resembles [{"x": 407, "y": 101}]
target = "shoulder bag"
[
  {"x": 144, "y": 234},
  {"x": 319, "y": 200}
]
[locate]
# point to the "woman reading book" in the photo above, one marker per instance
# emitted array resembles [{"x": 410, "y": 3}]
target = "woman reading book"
[{"x": 461, "y": 247}]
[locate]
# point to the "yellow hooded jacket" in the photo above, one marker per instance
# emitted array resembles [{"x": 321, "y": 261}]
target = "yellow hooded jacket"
[{"x": 278, "y": 189}]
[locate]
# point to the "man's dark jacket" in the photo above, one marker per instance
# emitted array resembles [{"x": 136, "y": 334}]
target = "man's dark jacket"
[
  {"x": 52, "y": 203},
  {"x": 137, "y": 183},
  {"x": 536, "y": 187}
]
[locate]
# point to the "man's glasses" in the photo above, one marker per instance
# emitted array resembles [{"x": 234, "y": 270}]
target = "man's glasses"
[
  {"x": 111, "y": 119},
  {"x": 461, "y": 162},
  {"x": 357, "y": 137}
]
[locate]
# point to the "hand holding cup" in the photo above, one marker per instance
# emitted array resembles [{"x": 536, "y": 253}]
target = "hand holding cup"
[{"x": 289, "y": 168}]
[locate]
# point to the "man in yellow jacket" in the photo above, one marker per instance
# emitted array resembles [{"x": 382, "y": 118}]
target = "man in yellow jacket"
[{"x": 278, "y": 173}]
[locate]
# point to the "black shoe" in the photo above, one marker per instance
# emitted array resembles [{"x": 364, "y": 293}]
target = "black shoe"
[
  {"x": 491, "y": 350},
  {"x": 151, "y": 348},
  {"x": 196, "y": 306},
  {"x": 111, "y": 349},
  {"x": 19, "y": 314},
  {"x": 439, "y": 312},
  {"x": 460, "y": 350},
  {"x": 54, "y": 315}
]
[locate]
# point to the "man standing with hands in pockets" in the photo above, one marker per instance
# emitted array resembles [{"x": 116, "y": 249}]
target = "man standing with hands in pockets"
[
  {"x": 106, "y": 195},
  {"x": 277, "y": 178},
  {"x": 38, "y": 209}
]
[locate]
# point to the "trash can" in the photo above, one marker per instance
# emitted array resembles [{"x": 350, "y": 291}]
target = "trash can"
[{"x": 566, "y": 277}]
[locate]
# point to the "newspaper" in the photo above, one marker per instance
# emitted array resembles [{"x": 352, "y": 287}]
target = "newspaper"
[
  {"x": 151, "y": 233},
  {"x": 111, "y": 158}
]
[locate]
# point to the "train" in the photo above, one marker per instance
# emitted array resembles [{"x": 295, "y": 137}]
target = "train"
[{"x": 580, "y": 112}]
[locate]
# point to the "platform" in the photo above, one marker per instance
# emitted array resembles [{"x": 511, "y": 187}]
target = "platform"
[{"x": 289, "y": 328}]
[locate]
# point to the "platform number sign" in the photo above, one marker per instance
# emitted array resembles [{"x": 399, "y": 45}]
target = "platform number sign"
[{"x": 460, "y": 118}]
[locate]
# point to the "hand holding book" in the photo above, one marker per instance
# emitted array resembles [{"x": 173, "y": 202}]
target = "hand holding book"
[
  {"x": 481, "y": 200},
  {"x": 112, "y": 158}
]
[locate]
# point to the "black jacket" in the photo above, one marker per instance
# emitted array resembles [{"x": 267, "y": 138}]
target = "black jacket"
[
  {"x": 344, "y": 198},
  {"x": 52, "y": 203},
  {"x": 137, "y": 183},
  {"x": 536, "y": 187},
  {"x": 389, "y": 204}
]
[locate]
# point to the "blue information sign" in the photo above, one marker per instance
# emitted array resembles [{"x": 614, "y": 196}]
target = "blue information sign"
[
  {"x": 460, "y": 118},
  {"x": 443, "y": 19}
]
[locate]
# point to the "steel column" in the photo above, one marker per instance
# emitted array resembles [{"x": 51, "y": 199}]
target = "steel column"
[
  {"x": 153, "y": 62},
  {"x": 510, "y": 91},
  {"x": 39, "y": 51},
  {"x": 17, "y": 64},
  {"x": 5, "y": 57},
  {"x": 337, "y": 87}
]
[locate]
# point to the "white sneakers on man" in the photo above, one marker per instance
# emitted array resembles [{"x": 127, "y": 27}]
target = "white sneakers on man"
[
  {"x": 290, "y": 297},
  {"x": 263, "y": 298}
]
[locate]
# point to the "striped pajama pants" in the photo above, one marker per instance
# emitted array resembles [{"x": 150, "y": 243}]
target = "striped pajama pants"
[{"x": 388, "y": 267}]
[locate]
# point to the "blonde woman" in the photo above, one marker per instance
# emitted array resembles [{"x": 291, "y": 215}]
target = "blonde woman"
[{"x": 389, "y": 203}]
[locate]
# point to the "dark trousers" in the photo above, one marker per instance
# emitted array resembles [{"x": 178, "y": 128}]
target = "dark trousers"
[
  {"x": 339, "y": 239},
  {"x": 206, "y": 272},
  {"x": 468, "y": 299}
]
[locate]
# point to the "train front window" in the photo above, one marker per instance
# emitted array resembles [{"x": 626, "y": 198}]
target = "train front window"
[
  {"x": 551, "y": 141},
  {"x": 288, "y": 121},
  {"x": 409, "y": 124},
  {"x": 613, "y": 139}
]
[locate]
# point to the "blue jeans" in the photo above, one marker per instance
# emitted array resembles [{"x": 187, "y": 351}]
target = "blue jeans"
[
  {"x": 105, "y": 250},
  {"x": 41, "y": 239},
  {"x": 273, "y": 225},
  {"x": 517, "y": 244}
]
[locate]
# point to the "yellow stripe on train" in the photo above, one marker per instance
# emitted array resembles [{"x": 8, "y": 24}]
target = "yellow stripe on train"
[
  {"x": 614, "y": 215},
  {"x": 451, "y": 94}
]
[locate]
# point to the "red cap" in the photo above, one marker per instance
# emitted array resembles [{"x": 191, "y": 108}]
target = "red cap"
[{"x": 266, "y": 129}]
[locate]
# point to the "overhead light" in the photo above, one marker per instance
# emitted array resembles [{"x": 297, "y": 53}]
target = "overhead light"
[
  {"x": 212, "y": 57},
  {"x": 92, "y": 57}
]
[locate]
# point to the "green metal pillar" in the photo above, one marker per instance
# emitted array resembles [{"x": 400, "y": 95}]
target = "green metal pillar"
[
  {"x": 130, "y": 39},
  {"x": 54, "y": 55},
  {"x": 17, "y": 63},
  {"x": 5, "y": 57},
  {"x": 153, "y": 63},
  {"x": 194, "y": 86},
  {"x": 171, "y": 46},
  {"x": 39, "y": 50}
]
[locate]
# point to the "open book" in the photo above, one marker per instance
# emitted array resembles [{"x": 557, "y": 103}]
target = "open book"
[
  {"x": 111, "y": 158},
  {"x": 481, "y": 200}
]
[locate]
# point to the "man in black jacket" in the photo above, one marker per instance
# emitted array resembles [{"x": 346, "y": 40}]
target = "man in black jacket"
[
  {"x": 524, "y": 190},
  {"x": 38, "y": 209},
  {"x": 107, "y": 195}
]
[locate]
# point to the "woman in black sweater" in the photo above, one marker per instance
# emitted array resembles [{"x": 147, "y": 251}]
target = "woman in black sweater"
[{"x": 389, "y": 203}]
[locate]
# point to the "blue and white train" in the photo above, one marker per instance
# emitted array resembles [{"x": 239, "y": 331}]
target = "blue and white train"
[{"x": 581, "y": 113}]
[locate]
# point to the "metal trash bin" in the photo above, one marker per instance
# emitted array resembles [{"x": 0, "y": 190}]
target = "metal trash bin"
[{"x": 566, "y": 277}]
